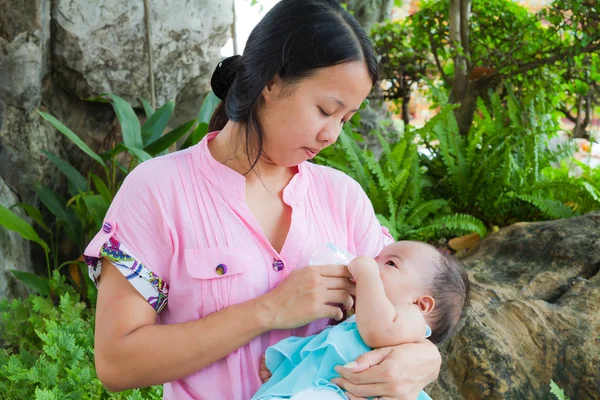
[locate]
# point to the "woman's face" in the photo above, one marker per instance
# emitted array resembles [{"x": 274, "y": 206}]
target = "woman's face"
[{"x": 301, "y": 119}]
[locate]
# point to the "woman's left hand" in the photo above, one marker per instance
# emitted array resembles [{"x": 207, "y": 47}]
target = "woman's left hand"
[{"x": 398, "y": 372}]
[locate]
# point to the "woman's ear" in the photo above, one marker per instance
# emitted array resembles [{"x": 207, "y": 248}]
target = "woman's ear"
[
  {"x": 272, "y": 89},
  {"x": 425, "y": 304}
]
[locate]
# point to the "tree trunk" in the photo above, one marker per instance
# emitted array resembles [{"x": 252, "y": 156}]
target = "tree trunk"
[
  {"x": 370, "y": 12},
  {"x": 462, "y": 91}
]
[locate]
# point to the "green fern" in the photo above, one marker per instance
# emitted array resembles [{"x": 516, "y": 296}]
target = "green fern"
[
  {"x": 452, "y": 224},
  {"x": 48, "y": 350},
  {"x": 394, "y": 183},
  {"x": 557, "y": 391}
]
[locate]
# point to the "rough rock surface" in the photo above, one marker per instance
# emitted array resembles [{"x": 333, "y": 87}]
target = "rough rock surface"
[
  {"x": 55, "y": 53},
  {"x": 14, "y": 251},
  {"x": 102, "y": 49},
  {"x": 534, "y": 316}
]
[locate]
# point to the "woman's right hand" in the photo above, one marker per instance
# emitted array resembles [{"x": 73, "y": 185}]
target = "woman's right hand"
[{"x": 309, "y": 294}]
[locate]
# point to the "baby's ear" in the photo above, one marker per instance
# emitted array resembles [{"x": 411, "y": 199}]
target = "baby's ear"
[{"x": 425, "y": 304}]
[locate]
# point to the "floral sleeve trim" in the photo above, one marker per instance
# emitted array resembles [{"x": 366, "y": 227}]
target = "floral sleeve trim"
[{"x": 146, "y": 282}]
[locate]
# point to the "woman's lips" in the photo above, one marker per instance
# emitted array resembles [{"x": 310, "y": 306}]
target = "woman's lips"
[{"x": 311, "y": 153}]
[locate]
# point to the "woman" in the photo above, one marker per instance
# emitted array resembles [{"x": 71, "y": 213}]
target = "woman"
[{"x": 224, "y": 230}]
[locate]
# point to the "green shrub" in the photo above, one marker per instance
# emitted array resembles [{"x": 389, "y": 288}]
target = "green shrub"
[
  {"x": 395, "y": 182},
  {"x": 80, "y": 217},
  {"x": 502, "y": 171},
  {"x": 48, "y": 349}
]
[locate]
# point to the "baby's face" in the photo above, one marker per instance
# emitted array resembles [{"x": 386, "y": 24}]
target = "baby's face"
[{"x": 405, "y": 267}]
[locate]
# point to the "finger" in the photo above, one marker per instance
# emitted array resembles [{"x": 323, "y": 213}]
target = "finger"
[
  {"x": 333, "y": 312},
  {"x": 339, "y": 297},
  {"x": 370, "y": 359},
  {"x": 352, "y": 397},
  {"x": 264, "y": 376},
  {"x": 334, "y": 270},
  {"x": 366, "y": 368},
  {"x": 340, "y": 283},
  {"x": 360, "y": 391}
]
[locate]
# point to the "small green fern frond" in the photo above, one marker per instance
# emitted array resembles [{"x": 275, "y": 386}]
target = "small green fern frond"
[
  {"x": 551, "y": 208},
  {"x": 423, "y": 210},
  {"x": 375, "y": 168},
  {"x": 388, "y": 224},
  {"x": 399, "y": 183},
  {"x": 397, "y": 155},
  {"x": 456, "y": 224},
  {"x": 353, "y": 153},
  {"x": 557, "y": 391}
]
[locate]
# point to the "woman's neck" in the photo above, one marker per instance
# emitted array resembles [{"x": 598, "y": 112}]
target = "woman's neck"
[{"x": 229, "y": 148}]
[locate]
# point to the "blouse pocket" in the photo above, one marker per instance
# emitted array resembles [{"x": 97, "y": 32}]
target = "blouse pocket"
[{"x": 215, "y": 277}]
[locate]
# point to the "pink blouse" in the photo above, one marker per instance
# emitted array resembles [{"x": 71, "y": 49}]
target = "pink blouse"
[{"x": 180, "y": 224}]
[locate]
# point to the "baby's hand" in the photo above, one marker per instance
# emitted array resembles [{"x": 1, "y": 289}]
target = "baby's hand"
[
  {"x": 362, "y": 265},
  {"x": 264, "y": 372}
]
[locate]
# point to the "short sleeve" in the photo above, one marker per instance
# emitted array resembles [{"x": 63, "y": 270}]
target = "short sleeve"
[
  {"x": 151, "y": 286},
  {"x": 137, "y": 220},
  {"x": 370, "y": 237}
]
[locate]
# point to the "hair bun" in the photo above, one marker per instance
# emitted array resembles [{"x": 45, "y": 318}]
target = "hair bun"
[{"x": 224, "y": 75}]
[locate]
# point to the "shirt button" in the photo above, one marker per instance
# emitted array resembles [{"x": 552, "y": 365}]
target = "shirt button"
[
  {"x": 221, "y": 269},
  {"x": 277, "y": 265},
  {"x": 107, "y": 227}
]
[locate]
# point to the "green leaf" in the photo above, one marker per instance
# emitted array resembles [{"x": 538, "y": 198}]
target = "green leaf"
[
  {"x": 147, "y": 107},
  {"x": 209, "y": 105},
  {"x": 196, "y": 136},
  {"x": 557, "y": 391},
  {"x": 97, "y": 206},
  {"x": 156, "y": 124},
  {"x": 130, "y": 124},
  {"x": 71, "y": 135},
  {"x": 77, "y": 182},
  {"x": 139, "y": 153},
  {"x": 57, "y": 206},
  {"x": 165, "y": 141},
  {"x": 36, "y": 283},
  {"x": 101, "y": 188},
  {"x": 35, "y": 214},
  {"x": 12, "y": 221}
]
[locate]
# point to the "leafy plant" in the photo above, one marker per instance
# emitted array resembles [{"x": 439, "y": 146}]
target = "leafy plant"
[
  {"x": 557, "y": 391},
  {"x": 48, "y": 350},
  {"x": 81, "y": 216},
  {"x": 502, "y": 171},
  {"x": 497, "y": 42},
  {"x": 394, "y": 183}
]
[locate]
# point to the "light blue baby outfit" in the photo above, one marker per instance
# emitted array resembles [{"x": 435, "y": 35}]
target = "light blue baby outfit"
[{"x": 300, "y": 364}]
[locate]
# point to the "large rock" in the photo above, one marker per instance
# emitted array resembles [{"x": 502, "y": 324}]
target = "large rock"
[
  {"x": 14, "y": 250},
  {"x": 102, "y": 49},
  {"x": 24, "y": 53},
  {"x": 53, "y": 53},
  {"x": 534, "y": 316}
]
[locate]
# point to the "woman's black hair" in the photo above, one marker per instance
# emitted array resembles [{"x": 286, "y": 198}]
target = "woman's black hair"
[{"x": 293, "y": 40}]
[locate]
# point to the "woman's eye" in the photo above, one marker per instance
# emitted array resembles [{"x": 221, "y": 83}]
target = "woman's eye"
[
  {"x": 391, "y": 264},
  {"x": 324, "y": 113}
]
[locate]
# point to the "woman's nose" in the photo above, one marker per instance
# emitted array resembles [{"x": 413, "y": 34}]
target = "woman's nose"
[{"x": 329, "y": 134}]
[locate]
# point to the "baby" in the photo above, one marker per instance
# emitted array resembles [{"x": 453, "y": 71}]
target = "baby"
[{"x": 409, "y": 292}]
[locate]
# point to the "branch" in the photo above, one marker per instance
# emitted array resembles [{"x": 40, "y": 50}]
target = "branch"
[
  {"x": 149, "y": 45},
  {"x": 465, "y": 12},
  {"x": 434, "y": 49},
  {"x": 524, "y": 67},
  {"x": 567, "y": 113},
  {"x": 459, "y": 84}
]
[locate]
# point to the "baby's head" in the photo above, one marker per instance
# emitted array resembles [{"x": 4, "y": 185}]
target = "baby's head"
[{"x": 417, "y": 273}]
